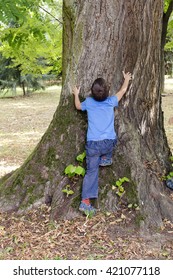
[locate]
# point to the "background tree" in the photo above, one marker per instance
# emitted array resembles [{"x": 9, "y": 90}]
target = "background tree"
[
  {"x": 31, "y": 39},
  {"x": 132, "y": 42},
  {"x": 169, "y": 48},
  {"x": 11, "y": 78},
  {"x": 166, "y": 36}
]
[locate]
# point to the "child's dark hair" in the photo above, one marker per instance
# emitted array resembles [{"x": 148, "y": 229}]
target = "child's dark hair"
[{"x": 99, "y": 90}]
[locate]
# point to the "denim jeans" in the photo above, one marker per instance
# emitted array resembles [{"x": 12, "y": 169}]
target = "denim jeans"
[{"x": 94, "y": 151}]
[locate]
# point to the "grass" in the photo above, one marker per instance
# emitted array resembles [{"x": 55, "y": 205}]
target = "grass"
[
  {"x": 23, "y": 122},
  {"x": 168, "y": 85},
  {"x": 19, "y": 92}
]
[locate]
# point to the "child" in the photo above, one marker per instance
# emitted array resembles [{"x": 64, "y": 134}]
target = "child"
[{"x": 101, "y": 135}]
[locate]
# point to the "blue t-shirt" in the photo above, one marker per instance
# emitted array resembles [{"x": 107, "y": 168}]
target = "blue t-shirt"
[{"x": 100, "y": 118}]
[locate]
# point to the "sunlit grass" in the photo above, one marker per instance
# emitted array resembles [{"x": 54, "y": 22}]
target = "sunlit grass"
[
  {"x": 168, "y": 86},
  {"x": 9, "y": 93},
  {"x": 23, "y": 122}
]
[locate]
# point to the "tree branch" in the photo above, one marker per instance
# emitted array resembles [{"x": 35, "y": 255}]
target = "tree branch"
[
  {"x": 50, "y": 14},
  {"x": 166, "y": 15}
]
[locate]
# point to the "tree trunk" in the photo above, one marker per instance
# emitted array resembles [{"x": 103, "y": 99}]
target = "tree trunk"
[
  {"x": 23, "y": 88},
  {"x": 102, "y": 39}
]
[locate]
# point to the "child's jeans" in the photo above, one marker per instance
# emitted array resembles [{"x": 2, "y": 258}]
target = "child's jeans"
[{"x": 94, "y": 151}]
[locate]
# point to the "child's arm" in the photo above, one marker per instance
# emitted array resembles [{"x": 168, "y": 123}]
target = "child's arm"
[
  {"x": 76, "y": 98},
  {"x": 121, "y": 92}
]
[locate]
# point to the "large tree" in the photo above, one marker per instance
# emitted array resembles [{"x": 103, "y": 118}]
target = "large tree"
[{"x": 103, "y": 38}]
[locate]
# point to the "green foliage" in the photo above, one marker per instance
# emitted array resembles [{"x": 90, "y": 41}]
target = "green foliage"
[
  {"x": 166, "y": 5},
  {"x": 169, "y": 41},
  {"x": 32, "y": 37},
  {"x": 67, "y": 190},
  {"x": 120, "y": 181},
  {"x": 169, "y": 37},
  {"x": 13, "y": 10},
  {"x": 11, "y": 78},
  {"x": 119, "y": 186},
  {"x": 89, "y": 214},
  {"x": 17, "y": 10},
  {"x": 72, "y": 170},
  {"x": 170, "y": 174},
  {"x": 81, "y": 157},
  {"x": 133, "y": 206}
]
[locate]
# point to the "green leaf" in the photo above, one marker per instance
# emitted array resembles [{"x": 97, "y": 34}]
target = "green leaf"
[
  {"x": 118, "y": 183},
  {"x": 81, "y": 157},
  {"x": 70, "y": 192},
  {"x": 80, "y": 170},
  {"x": 64, "y": 190},
  {"x": 119, "y": 194},
  {"x": 130, "y": 205},
  {"x": 89, "y": 214},
  {"x": 125, "y": 179},
  {"x": 70, "y": 170},
  {"x": 27, "y": 25},
  {"x": 121, "y": 189}
]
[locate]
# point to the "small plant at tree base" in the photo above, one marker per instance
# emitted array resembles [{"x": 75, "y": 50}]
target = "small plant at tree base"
[
  {"x": 67, "y": 190},
  {"x": 72, "y": 170},
  {"x": 133, "y": 206},
  {"x": 169, "y": 177},
  {"x": 119, "y": 184},
  {"x": 89, "y": 214},
  {"x": 81, "y": 157}
]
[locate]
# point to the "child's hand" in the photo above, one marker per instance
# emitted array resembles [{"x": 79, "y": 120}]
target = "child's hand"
[
  {"x": 127, "y": 76},
  {"x": 76, "y": 90},
  {"x": 76, "y": 97}
]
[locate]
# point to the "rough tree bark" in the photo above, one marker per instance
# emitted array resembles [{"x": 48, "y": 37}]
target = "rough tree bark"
[{"x": 102, "y": 38}]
